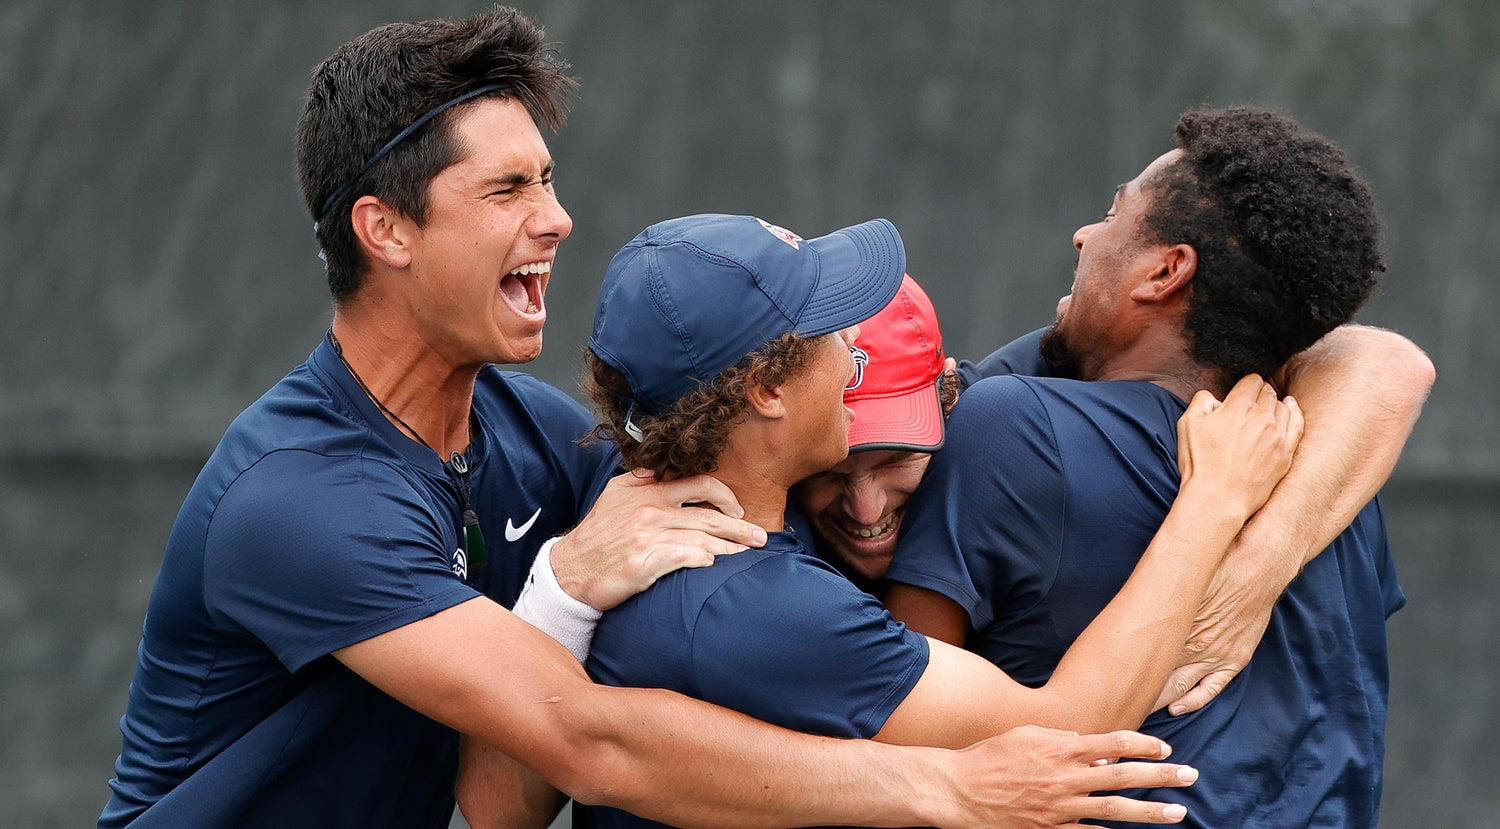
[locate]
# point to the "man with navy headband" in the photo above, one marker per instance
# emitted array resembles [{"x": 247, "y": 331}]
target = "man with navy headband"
[
  {"x": 330, "y": 613},
  {"x": 723, "y": 344},
  {"x": 1228, "y": 254}
]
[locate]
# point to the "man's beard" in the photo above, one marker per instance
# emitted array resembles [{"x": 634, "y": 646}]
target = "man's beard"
[{"x": 1057, "y": 354}]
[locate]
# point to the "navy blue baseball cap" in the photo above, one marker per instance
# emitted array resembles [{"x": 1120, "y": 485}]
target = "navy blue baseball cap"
[{"x": 688, "y": 298}]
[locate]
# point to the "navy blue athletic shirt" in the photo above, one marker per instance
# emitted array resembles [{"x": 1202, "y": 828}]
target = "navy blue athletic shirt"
[
  {"x": 1036, "y": 512},
  {"x": 317, "y": 524},
  {"x": 771, "y": 632}
]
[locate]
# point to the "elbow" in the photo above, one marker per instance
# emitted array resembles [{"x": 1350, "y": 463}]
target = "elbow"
[
  {"x": 1404, "y": 358},
  {"x": 587, "y": 761},
  {"x": 1383, "y": 359}
]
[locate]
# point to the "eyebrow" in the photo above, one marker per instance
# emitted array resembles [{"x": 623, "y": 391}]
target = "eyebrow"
[{"x": 517, "y": 179}]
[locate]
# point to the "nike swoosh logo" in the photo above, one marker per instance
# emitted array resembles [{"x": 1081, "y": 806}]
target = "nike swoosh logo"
[{"x": 513, "y": 533}]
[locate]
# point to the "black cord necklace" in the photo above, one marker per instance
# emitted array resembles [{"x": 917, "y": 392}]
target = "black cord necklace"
[{"x": 457, "y": 468}]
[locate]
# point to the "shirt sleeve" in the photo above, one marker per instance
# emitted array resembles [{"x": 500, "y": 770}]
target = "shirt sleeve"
[
  {"x": 985, "y": 528},
  {"x": 791, "y": 642},
  {"x": 311, "y": 554},
  {"x": 1022, "y": 356}
]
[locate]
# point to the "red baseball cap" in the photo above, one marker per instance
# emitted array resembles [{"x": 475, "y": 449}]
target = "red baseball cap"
[{"x": 898, "y": 360}]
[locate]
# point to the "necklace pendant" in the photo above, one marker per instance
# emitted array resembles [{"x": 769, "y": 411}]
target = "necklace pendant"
[{"x": 474, "y": 541}]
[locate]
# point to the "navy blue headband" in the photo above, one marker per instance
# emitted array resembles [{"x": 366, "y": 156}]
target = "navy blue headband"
[{"x": 402, "y": 136}]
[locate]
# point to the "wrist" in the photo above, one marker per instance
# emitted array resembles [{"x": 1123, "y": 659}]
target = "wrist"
[
  {"x": 1268, "y": 556},
  {"x": 1206, "y": 503},
  {"x": 566, "y": 577},
  {"x": 548, "y": 607},
  {"x": 934, "y": 795}
]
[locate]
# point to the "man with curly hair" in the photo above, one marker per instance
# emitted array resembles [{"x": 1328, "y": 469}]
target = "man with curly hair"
[
  {"x": 1227, "y": 255},
  {"x": 722, "y": 344}
]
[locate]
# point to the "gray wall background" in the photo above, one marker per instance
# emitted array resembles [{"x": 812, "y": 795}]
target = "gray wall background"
[{"x": 159, "y": 272}]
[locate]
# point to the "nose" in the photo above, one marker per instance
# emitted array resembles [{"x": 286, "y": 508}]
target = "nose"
[
  {"x": 850, "y": 334},
  {"x": 864, "y": 500},
  {"x": 550, "y": 219},
  {"x": 1082, "y": 233}
]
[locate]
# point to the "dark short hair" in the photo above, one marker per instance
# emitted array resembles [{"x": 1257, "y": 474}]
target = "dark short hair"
[
  {"x": 1285, "y": 231},
  {"x": 687, "y": 439},
  {"x": 381, "y": 82}
]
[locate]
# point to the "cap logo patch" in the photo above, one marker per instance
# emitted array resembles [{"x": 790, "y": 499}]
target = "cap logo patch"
[
  {"x": 861, "y": 358},
  {"x": 782, "y": 233}
]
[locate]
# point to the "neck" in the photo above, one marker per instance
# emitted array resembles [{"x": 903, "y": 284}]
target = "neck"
[
  {"x": 1160, "y": 357},
  {"x": 424, "y": 396},
  {"x": 762, "y": 499}
]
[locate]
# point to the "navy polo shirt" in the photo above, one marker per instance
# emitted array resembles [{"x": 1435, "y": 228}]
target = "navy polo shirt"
[
  {"x": 1038, "y": 509},
  {"x": 317, "y": 524},
  {"x": 771, "y": 632}
]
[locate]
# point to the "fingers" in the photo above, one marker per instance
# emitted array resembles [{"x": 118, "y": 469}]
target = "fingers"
[
  {"x": 1249, "y": 390},
  {"x": 1117, "y": 776},
  {"x": 703, "y": 489},
  {"x": 1202, "y": 403},
  {"x": 1201, "y": 694},
  {"x": 711, "y": 527},
  {"x": 659, "y": 507},
  {"x": 1297, "y": 423},
  {"x": 1183, "y": 680},
  {"x": 1121, "y": 744},
  {"x": 1125, "y": 810}
]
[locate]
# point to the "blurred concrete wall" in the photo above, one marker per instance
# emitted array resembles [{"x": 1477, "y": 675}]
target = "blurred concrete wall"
[{"x": 159, "y": 271}]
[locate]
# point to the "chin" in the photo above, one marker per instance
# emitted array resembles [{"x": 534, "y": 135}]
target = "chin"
[
  {"x": 872, "y": 568},
  {"x": 514, "y": 351}
]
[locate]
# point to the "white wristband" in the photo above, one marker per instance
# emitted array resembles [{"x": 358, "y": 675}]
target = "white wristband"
[{"x": 547, "y": 607}]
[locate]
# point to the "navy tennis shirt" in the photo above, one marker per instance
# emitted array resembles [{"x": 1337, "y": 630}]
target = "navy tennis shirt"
[
  {"x": 1036, "y": 512},
  {"x": 770, "y": 632},
  {"x": 317, "y": 524}
]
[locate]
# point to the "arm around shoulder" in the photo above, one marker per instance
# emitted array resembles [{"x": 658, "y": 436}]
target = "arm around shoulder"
[{"x": 1361, "y": 390}]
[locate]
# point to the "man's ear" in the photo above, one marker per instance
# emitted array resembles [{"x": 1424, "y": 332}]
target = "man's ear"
[
  {"x": 1179, "y": 263},
  {"x": 766, "y": 402},
  {"x": 383, "y": 233}
]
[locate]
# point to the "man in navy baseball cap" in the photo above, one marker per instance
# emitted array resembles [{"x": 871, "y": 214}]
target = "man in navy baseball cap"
[
  {"x": 722, "y": 344},
  {"x": 689, "y": 297}
]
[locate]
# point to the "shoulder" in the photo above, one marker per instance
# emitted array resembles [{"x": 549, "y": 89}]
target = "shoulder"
[
  {"x": 998, "y": 410},
  {"x": 521, "y": 391},
  {"x": 292, "y": 501},
  {"x": 299, "y": 412},
  {"x": 1022, "y": 355},
  {"x": 522, "y": 410},
  {"x": 789, "y": 596}
]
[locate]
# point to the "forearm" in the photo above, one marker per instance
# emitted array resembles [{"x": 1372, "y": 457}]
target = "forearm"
[
  {"x": 689, "y": 764},
  {"x": 496, "y": 792},
  {"x": 480, "y": 670},
  {"x": 1361, "y": 391},
  {"x": 1111, "y": 676}
]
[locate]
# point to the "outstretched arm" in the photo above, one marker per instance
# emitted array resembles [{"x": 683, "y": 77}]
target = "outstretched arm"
[
  {"x": 1361, "y": 390},
  {"x": 478, "y": 668}
]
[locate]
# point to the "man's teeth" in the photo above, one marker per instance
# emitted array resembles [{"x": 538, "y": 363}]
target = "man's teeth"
[
  {"x": 533, "y": 267},
  {"x": 878, "y": 531},
  {"x": 531, "y": 308}
]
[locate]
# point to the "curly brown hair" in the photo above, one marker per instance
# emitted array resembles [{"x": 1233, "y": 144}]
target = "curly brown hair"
[
  {"x": 948, "y": 387},
  {"x": 687, "y": 439}
]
